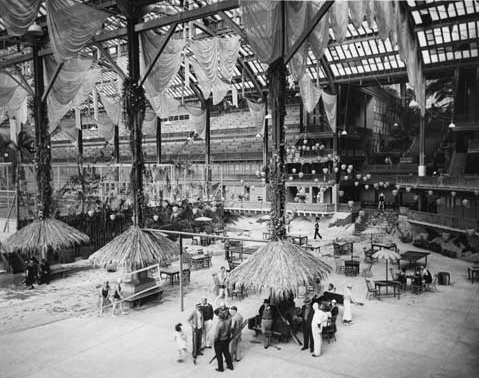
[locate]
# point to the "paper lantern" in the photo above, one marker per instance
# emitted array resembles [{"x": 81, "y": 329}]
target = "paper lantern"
[
  {"x": 308, "y": 148},
  {"x": 349, "y": 170},
  {"x": 362, "y": 213},
  {"x": 336, "y": 169},
  {"x": 358, "y": 176},
  {"x": 398, "y": 186},
  {"x": 430, "y": 192},
  {"x": 90, "y": 213},
  {"x": 213, "y": 209},
  {"x": 263, "y": 180},
  {"x": 365, "y": 179},
  {"x": 453, "y": 194},
  {"x": 316, "y": 180},
  {"x": 476, "y": 192},
  {"x": 256, "y": 173},
  {"x": 341, "y": 193},
  {"x": 156, "y": 217},
  {"x": 175, "y": 209},
  {"x": 350, "y": 166},
  {"x": 325, "y": 171},
  {"x": 329, "y": 156},
  {"x": 263, "y": 174},
  {"x": 368, "y": 176},
  {"x": 321, "y": 146},
  {"x": 302, "y": 161},
  {"x": 290, "y": 178},
  {"x": 366, "y": 186},
  {"x": 293, "y": 170},
  {"x": 195, "y": 210},
  {"x": 305, "y": 141},
  {"x": 408, "y": 189},
  {"x": 376, "y": 185},
  {"x": 252, "y": 187},
  {"x": 296, "y": 160},
  {"x": 438, "y": 202},
  {"x": 300, "y": 174},
  {"x": 112, "y": 217},
  {"x": 356, "y": 183},
  {"x": 164, "y": 204},
  {"x": 343, "y": 167},
  {"x": 346, "y": 178},
  {"x": 386, "y": 184},
  {"x": 416, "y": 197},
  {"x": 465, "y": 202},
  {"x": 313, "y": 172},
  {"x": 242, "y": 182},
  {"x": 395, "y": 192},
  {"x": 350, "y": 204},
  {"x": 381, "y": 183}
]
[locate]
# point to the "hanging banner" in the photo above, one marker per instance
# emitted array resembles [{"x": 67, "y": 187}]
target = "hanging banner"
[
  {"x": 234, "y": 95},
  {"x": 310, "y": 93},
  {"x": 257, "y": 112},
  {"x": 330, "y": 105}
]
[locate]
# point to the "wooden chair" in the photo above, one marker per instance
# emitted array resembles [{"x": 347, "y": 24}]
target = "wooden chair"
[
  {"x": 329, "y": 331},
  {"x": 187, "y": 260},
  {"x": 371, "y": 289},
  {"x": 339, "y": 265},
  {"x": 416, "y": 286},
  {"x": 367, "y": 272}
]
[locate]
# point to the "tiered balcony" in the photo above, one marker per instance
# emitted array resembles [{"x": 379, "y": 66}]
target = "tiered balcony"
[
  {"x": 448, "y": 222},
  {"x": 440, "y": 182}
]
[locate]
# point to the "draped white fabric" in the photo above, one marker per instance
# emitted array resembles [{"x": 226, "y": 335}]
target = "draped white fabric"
[
  {"x": 319, "y": 38},
  {"x": 197, "y": 120},
  {"x": 257, "y": 112},
  {"x": 297, "y": 20},
  {"x": 72, "y": 86},
  {"x": 357, "y": 10},
  {"x": 164, "y": 105},
  {"x": 339, "y": 19},
  {"x": 234, "y": 95},
  {"x": 71, "y": 131},
  {"x": 384, "y": 11},
  {"x": 18, "y": 15},
  {"x": 113, "y": 108},
  {"x": 220, "y": 88},
  {"x": 310, "y": 93},
  {"x": 149, "y": 123},
  {"x": 71, "y": 25},
  {"x": 229, "y": 50},
  {"x": 106, "y": 130},
  {"x": 330, "y": 104},
  {"x": 13, "y": 100},
  {"x": 15, "y": 128}
]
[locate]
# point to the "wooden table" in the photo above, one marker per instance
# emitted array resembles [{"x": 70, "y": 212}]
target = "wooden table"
[
  {"x": 379, "y": 246},
  {"x": 413, "y": 257},
  {"x": 312, "y": 248},
  {"x": 351, "y": 267},
  {"x": 378, "y": 285},
  {"x": 473, "y": 271},
  {"x": 174, "y": 274},
  {"x": 298, "y": 239},
  {"x": 200, "y": 261}
]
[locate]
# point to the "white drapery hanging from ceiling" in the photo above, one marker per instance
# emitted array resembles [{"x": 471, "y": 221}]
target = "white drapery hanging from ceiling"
[
  {"x": 71, "y": 131},
  {"x": 18, "y": 15},
  {"x": 384, "y": 15},
  {"x": 149, "y": 123},
  {"x": 229, "y": 51},
  {"x": 13, "y": 100},
  {"x": 310, "y": 93},
  {"x": 257, "y": 112},
  {"x": 197, "y": 120},
  {"x": 113, "y": 108},
  {"x": 339, "y": 17},
  {"x": 330, "y": 105},
  {"x": 71, "y": 25},
  {"x": 72, "y": 86}
]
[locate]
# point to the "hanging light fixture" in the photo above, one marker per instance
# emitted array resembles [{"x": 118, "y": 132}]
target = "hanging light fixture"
[
  {"x": 34, "y": 30},
  {"x": 396, "y": 124},
  {"x": 452, "y": 125},
  {"x": 268, "y": 116},
  {"x": 344, "y": 132}
]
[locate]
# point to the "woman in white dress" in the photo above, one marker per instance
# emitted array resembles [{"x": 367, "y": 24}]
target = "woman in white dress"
[
  {"x": 348, "y": 300},
  {"x": 320, "y": 320}
]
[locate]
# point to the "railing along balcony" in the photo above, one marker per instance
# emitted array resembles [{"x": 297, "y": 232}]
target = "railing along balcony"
[
  {"x": 440, "y": 182},
  {"x": 449, "y": 221},
  {"x": 266, "y": 206}
]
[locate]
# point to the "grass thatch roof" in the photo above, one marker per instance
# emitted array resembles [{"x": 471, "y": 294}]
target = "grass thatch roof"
[
  {"x": 279, "y": 268},
  {"x": 44, "y": 234},
  {"x": 135, "y": 249}
]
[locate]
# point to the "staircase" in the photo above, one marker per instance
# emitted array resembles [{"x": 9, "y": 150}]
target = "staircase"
[
  {"x": 458, "y": 164},
  {"x": 361, "y": 224}
]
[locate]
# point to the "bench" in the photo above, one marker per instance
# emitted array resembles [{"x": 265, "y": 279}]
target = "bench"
[
  {"x": 58, "y": 271},
  {"x": 137, "y": 299}
]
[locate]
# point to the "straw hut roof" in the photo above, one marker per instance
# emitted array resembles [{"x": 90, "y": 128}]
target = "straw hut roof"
[
  {"x": 279, "y": 268},
  {"x": 44, "y": 234},
  {"x": 135, "y": 249}
]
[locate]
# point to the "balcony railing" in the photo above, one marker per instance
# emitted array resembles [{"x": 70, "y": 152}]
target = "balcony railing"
[
  {"x": 440, "y": 182},
  {"x": 444, "y": 220},
  {"x": 301, "y": 207}
]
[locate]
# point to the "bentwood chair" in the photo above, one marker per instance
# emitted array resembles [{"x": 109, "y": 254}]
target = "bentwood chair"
[
  {"x": 371, "y": 289},
  {"x": 339, "y": 265}
]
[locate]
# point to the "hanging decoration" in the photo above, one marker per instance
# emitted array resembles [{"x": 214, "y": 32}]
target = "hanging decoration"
[
  {"x": 18, "y": 15},
  {"x": 13, "y": 100},
  {"x": 330, "y": 104},
  {"x": 257, "y": 112},
  {"x": 197, "y": 120},
  {"x": 310, "y": 93}
]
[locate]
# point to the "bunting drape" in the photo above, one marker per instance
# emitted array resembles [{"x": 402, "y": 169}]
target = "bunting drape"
[
  {"x": 257, "y": 112},
  {"x": 197, "y": 120},
  {"x": 18, "y": 15},
  {"x": 13, "y": 101},
  {"x": 71, "y": 25},
  {"x": 330, "y": 104},
  {"x": 310, "y": 93}
]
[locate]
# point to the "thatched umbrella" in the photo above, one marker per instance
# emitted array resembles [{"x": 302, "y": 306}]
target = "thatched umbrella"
[
  {"x": 387, "y": 254},
  {"x": 45, "y": 234},
  {"x": 136, "y": 248},
  {"x": 279, "y": 267}
]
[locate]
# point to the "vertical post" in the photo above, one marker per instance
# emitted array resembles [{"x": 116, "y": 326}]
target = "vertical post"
[
  {"x": 265, "y": 139},
  {"x": 116, "y": 144},
  {"x": 301, "y": 117},
  {"x": 422, "y": 146},
  {"x": 158, "y": 140},
  {"x": 80, "y": 141},
  {"x": 181, "y": 274},
  {"x": 207, "y": 151}
]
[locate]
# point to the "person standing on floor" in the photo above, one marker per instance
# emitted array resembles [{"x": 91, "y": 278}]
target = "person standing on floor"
[
  {"x": 180, "y": 341},
  {"x": 320, "y": 320},
  {"x": 196, "y": 323},
  {"x": 117, "y": 300},
  {"x": 222, "y": 339},
  {"x": 316, "y": 230},
  {"x": 307, "y": 317},
  {"x": 268, "y": 315},
  {"x": 236, "y": 326},
  {"x": 381, "y": 202},
  {"x": 348, "y": 300},
  {"x": 207, "y": 311},
  {"x": 222, "y": 294},
  {"x": 29, "y": 275},
  {"x": 44, "y": 274}
]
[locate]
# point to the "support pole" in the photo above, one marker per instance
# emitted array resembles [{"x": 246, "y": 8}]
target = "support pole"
[
  {"x": 80, "y": 142},
  {"x": 422, "y": 146},
  {"x": 116, "y": 144},
  {"x": 208, "y": 103},
  {"x": 158, "y": 140},
  {"x": 181, "y": 274},
  {"x": 265, "y": 139}
]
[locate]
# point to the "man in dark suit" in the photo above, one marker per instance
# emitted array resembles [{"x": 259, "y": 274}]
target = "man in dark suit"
[
  {"x": 222, "y": 340},
  {"x": 306, "y": 319},
  {"x": 207, "y": 311},
  {"x": 196, "y": 323}
]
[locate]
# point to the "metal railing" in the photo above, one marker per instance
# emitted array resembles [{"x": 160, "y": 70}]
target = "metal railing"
[
  {"x": 440, "y": 182},
  {"x": 266, "y": 206},
  {"x": 444, "y": 220}
]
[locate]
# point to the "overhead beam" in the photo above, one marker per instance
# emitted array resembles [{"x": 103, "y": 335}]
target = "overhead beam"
[
  {"x": 158, "y": 53},
  {"x": 52, "y": 81},
  {"x": 319, "y": 15},
  {"x": 24, "y": 80},
  {"x": 450, "y": 21},
  {"x": 110, "y": 60},
  {"x": 329, "y": 74},
  {"x": 20, "y": 82},
  {"x": 233, "y": 25}
]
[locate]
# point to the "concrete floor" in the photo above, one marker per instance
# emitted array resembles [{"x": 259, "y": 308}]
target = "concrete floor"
[{"x": 427, "y": 335}]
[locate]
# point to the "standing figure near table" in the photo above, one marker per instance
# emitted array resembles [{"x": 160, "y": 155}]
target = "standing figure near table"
[
  {"x": 222, "y": 339},
  {"x": 316, "y": 230},
  {"x": 236, "y": 325},
  {"x": 222, "y": 285},
  {"x": 307, "y": 314},
  {"x": 180, "y": 341},
  {"x": 426, "y": 275},
  {"x": 381, "y": 202},
  {"x": 44, "y": 272},
  {"x": 348, "y": 300},
  {"x": 207, "y": 311},
  {"x": 268, "y": 314},
  {"x": 196, "y": 323},
  {"x": 320, "y": 320}
]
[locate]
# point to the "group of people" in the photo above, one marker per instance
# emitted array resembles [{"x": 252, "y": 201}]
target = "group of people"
[
  {"x": 111, "y": 297},
  {"x": 36, "y": 272},
  {"x": 421, "y": 277},
  {"x": 223, "y": 332}
]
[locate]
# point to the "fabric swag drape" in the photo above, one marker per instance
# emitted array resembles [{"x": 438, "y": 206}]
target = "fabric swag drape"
[{"x": 18, "y": 15}]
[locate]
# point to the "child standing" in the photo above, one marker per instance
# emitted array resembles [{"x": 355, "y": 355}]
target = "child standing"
[{"x": 180, "y": 341}]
